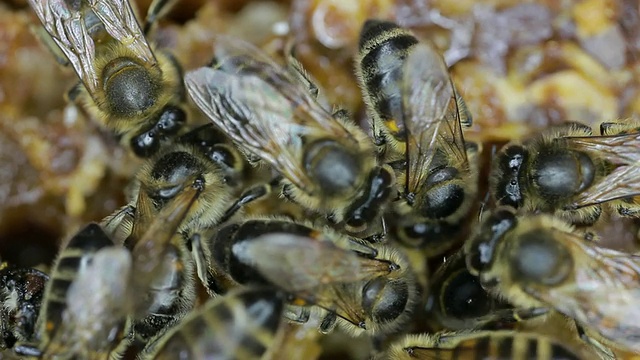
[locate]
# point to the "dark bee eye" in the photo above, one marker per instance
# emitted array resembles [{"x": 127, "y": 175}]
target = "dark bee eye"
[
  {"x": 385, "y": 300},
  {"x": 146, "y": 143},
  {"x": 463, "y": 297},
  {"x": 537, "y": 257},
  {"x": 480, "y": 252},
  {"x": 416, "y": 233},
  {"x": 508, "y": 190},
  {"x": 171, "y": 120}
]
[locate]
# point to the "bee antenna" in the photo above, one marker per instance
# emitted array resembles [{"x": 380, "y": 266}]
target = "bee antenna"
[{"x": 483, "y": 204}]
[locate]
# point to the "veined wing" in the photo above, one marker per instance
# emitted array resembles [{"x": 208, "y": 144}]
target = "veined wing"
[
  {"x": 68, "y": 30},
  {"x": 121, "y": 23},
  {"x": 604, "y": 293},
  {"x": 623, "y": 182},
  {"x": 432, "y": 114}
]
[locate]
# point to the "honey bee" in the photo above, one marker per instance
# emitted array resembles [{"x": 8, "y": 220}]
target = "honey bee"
[
  {"x": 242, "y": 324},
  {"x": 569, "y": 172},
  {"x": 132, "y": 90},
  {"x": 195, "y": 161},
  {"x": 361, "y": 287},
  {"x": 457, "y": 300},
  {"x": 496, "y": 345},
  {"x": 327, "y": 163},
  {"x": 86, "y": 302},
  {"x": 21, "y": 292},
  {"x": 542, "y": 261},
  {"x": 417, "y": 118}
]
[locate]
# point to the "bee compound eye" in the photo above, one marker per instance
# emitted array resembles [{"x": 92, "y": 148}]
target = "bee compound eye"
[
  {"x": 171, "y": 120},
  {"x": 146, "y": 143}
]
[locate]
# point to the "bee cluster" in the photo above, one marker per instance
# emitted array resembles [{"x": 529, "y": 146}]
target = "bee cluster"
[{"x": 288, "y": 215}]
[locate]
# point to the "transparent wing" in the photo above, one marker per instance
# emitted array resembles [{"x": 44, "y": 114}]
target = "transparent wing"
[
  {"x": 604, "y": 294},
  {"x": 623, "y": 182},
  {"x": 261, "y": 107},
  {"x": 297, "y": 263},
  {"x": 150, "y": 248},
  {"x": 432, "y": 113},
  {"x": 619, "y": 149},
  {"x": 121, "y": 23},
  {"x": 67, "y": 29}
]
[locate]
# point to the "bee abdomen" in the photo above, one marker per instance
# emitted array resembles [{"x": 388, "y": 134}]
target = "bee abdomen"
[
  {"x": 511, "y": 347},
  {"x": 237, "y": 327},
  {"x": 383, "y": 49}
]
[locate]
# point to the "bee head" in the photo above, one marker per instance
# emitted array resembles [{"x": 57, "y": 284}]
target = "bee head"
[
  {"x": 508, "y": 187},
  {"x": 480, "y": 250}
]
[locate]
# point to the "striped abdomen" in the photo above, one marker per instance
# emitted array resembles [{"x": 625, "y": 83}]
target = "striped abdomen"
[
  {"x": 240, "y": 325},
  {"x": 515, "y": 346},
  {"x": 382, "y": 51}
]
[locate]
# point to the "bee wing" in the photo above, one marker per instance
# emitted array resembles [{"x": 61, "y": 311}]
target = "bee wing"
[
  {"x": 261, "y": 107},
  {"x": 619, "y": 149},
  {"x": 621, "y": 183},
  {"x": 604, "y": 295},
  {"x": 102, "y": 284},
  {"x": 121, "y": 23},
  {"x": 432, "y": 113},
  {"x": 149, "y": 250},
  {"x": 67, "y": 29},
  {"x": 295, "y": 263}
]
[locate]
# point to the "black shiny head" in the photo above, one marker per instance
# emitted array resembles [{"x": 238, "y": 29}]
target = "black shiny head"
[
  {"x": 334, "y": 169},
  {"x": 367, "y": 207},
  {"x": 129, "y": 87},
  {"x": 562, "y": 173},
  {"x": 480, "y": 250},
  {"x": 146, "y": 143},
  {"x": 170, "y": 121},
  {"x": 462, "y": 296},
  {"x": 509, "y": 187},
  {"x": 383, "y": 300},
  {"x": 537, "y": 257},
  {"x": 444, "y": 197},
  {"x": 171, "y": 173},
  {"x": 418, "y": 233}
]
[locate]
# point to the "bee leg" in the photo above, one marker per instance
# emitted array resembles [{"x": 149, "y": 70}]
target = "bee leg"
[
  {"x": 530, "y": 313},
  {"x": 362, "y": 249},
  {"x": 251, "y": 195},
  {"x": 328, "y": 322},
  {"x": 30, "y": 350},
  {"x": 298, "y": 71},
  {"x": 157, "y": 10},
  {"x": 603, "y": 351},
  {"x": 629, "y": 211},
  {"x": 301, "y": 316}
]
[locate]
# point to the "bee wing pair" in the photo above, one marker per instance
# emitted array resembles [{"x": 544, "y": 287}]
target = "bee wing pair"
[
  {"x": 262, "y": 107},
  {"x": 604, "y": 293},
  {"x": 623, "y": 181},
  {"x": 317, "y": 262},
  {"x": 433, "y": 113},
  {"x": 66, "y": 25}
]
